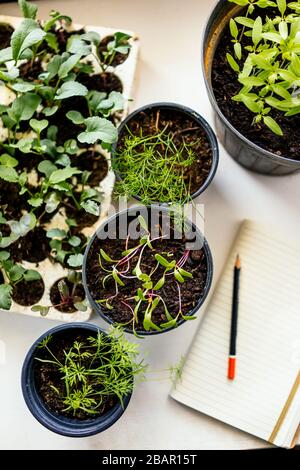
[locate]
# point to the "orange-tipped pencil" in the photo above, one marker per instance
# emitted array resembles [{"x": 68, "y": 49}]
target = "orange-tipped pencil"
[{"x": 234, "y": 320}]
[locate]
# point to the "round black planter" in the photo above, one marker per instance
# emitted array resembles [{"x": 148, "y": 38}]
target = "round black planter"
[
  {"x": 239, "y": 147},
  {"x": 57, "y": 423},
  {"x": 192, "y": 115},
  {"x": 131, "y": 212}
]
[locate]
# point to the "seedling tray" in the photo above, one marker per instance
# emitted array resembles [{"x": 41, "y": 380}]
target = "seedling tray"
[{"x": 52, "y": 272}]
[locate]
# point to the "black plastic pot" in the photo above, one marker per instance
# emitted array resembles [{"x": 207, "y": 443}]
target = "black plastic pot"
[
  {"x": 239, "y": 147},
  {"x": 131, "y": 214},
  {"x": 199, "y": 120},
  {"x": 57, "y": 423}
]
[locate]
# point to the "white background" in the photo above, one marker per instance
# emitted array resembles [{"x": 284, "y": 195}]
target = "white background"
[{"x": 169, "y": 70}]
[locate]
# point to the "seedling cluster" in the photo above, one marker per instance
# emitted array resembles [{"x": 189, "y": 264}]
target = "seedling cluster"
[
  {"x": 147, "y": 294},
  {"x": 153, "y": 167},
  {"x": 92, "y": 371},
  {"x": 266, "y": 59},
  {"x": 41, "y": 74}
]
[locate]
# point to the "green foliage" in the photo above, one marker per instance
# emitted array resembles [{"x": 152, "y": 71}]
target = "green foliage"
[
  {"x": 55, "y": 183},
  {"x": 68, "y": 296},
  {"x": 94, "y": 370},
  {"x": 119, "y": 45},
  {"x": 268, "y": 68},
  {"x": 162, "y": 163},
  {"x": 14, "y": 273},
  {"x": 148, "y": 293}
]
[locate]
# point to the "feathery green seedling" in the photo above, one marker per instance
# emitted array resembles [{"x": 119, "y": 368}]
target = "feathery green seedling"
[
  {"x": 153, "y": 168},
  {"x": 93, "y": 370},
  {"x": 268, "y": 67}
]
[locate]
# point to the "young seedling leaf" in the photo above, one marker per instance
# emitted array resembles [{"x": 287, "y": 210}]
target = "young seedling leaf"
[
  {"x": 28, "y": 9},
  {"x": 106, "y": 257},
  {"x": 31, "y": 275},
  {"x": 62, "y": 174},
  {"x": 70, "y": 89},
  {"x": 272, "y": 124},
  {"x": 75, "y": 261},
  {"x": 75, "y": 116},
  {"x": 117, "y": 278},
  {"x": 38, "y": 125},
  {"x": 98, "y": 129},
  {"x": 41, "y": 309},
  {"x": 5, "y": 296}
]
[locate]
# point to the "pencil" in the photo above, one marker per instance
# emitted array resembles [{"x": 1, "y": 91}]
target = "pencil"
[{"x": 234, "y": 320}]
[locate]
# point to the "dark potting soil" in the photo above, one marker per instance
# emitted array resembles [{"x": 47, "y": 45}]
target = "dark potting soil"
[
  {"x": 28, "y": 293},
  {"x": 47, "y": 376},
  {"x": 63, "y": 36},
  {"x": 66, "y": 305},
  {"x": 83, "y": 218},
  {"x": 27, "y": 161},
  {"x": 34, "y": 247},
  {"x": 94, "y": 162},
  {"x": 118, "y": 58},
  {"x": 185, "y": 130},
  {"x": 1, "y": 278},
  {"x": 6, "y": 31},
  {"x": 11, "y": 203},
  {"x": 191, "y": 291},
  {"x": 65, "y": 128},
  {"x": 104, "y": 81},
  {"x": 30, "y": 71},
  {"x": 225, "y": 86}
]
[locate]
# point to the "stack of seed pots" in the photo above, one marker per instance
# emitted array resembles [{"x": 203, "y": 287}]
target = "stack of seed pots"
[
  {"x": 64, "y": 89},
  {"x": 251, "y": 64}
]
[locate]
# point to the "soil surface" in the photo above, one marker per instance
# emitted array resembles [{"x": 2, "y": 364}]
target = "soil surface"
[
  {"x": 118, "y": 58},
  {"x": 63, "y": 36},
  {"x": 185, "y": 130},
  {"x": 47, "y": 376},
  {"x": 191, "y": 291},
  {"x": 34, "y": 247},
  {"x": 83, "y": 218},
  {"x": 225, "y": 86},
  {"x": 6, "y": 31},
  {"x": 66, "y": 306},
  {"x": 31, "y": 71},
  {"x": 105, "y": 82},
  {"x": 94, "y": 162},
  {"x": 65, "y": 128},
  {"x": 28, "y": 293}
]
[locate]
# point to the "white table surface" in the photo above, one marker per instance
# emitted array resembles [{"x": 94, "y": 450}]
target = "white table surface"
[{"x": 169, "y": 70}]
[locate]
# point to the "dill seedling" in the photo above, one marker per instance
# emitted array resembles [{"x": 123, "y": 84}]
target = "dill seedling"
[
  {"x": 154, "y": 167},
  {"x": 92, "y": 371}
]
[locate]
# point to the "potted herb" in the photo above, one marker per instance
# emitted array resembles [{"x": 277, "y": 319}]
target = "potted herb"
[
  {"x": 57, "y": 126},
  {"x": 172, "y": 147},
  {"x": 147, "y": 270},
  {"x": 251, "y": 61},
  {"x": 77, "y": 380}
]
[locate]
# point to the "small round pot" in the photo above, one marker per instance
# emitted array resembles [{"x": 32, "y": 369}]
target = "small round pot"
[
  {"x": 57, "y": 423},
  {"x": 131, "y": 212},
  {"x": 192, "y": 115},
  {"x": 238, "y": 146}
]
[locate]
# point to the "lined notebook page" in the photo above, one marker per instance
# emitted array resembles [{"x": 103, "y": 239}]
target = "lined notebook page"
[{"x": 268, "y": 343}]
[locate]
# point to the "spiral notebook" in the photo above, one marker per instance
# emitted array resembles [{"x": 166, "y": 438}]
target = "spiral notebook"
[{"x": 264, "y": 398}]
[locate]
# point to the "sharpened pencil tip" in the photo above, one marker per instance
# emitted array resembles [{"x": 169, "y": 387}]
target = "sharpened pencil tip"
[{"x": 238, "y": 262}]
